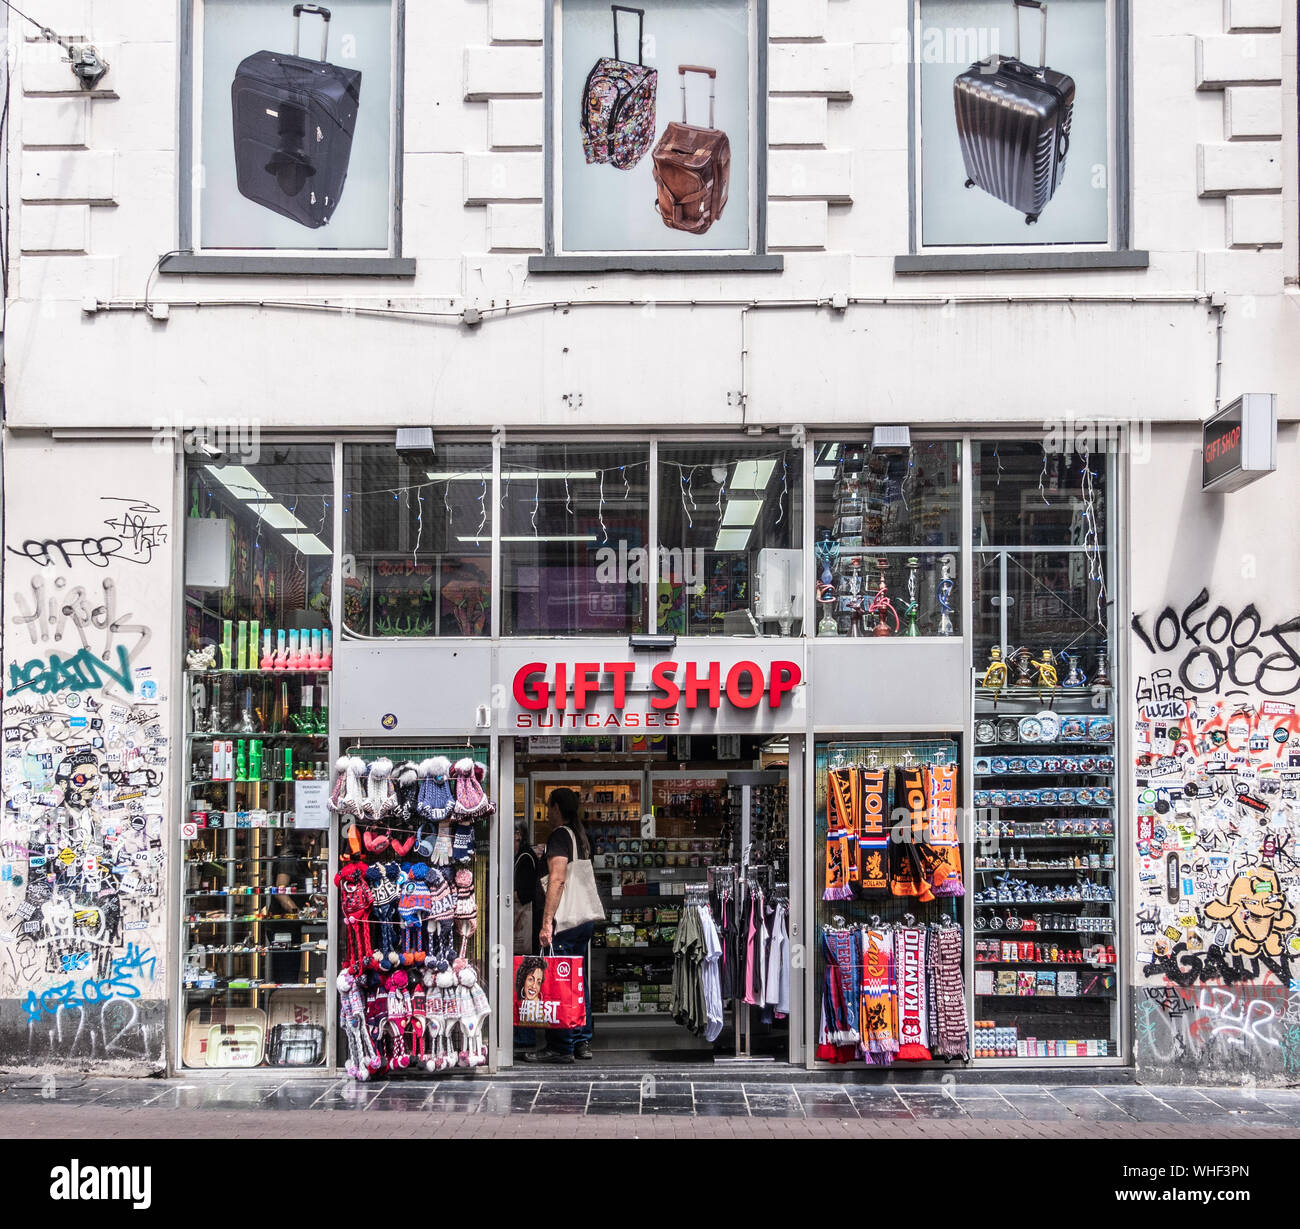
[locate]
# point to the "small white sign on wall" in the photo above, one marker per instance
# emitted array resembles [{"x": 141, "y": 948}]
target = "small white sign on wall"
[{"x": 311, "y": 804}]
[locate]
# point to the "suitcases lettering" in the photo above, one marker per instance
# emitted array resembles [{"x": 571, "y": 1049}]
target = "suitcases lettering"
[
  {"x": 692, "y": 166},
  {"x": 617, "y": 114},
  {"x": 1013, "y": 121},
  {"x": 294, "y": 120}
]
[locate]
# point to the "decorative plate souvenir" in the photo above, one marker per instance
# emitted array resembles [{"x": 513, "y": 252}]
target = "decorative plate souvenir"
[
  {"x": 982, "y": 767},
  {"x": 1031, "y": 730},
  {"x": 1049, "y": 724},
  {"x": 1074, "y": 729},
  {"x": 1034, "y": 765},
  {"x": 986, "y": 731},
  {"x": 1101, "y": 729},
  {"x": 1008, "y": 730}
]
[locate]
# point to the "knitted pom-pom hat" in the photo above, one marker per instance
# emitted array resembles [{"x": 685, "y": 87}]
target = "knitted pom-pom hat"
[
  {"x": 377, "y": 803},
  {"x": 471, "y": 801},
  {"x": 340, "y": 775},
  {"x": 406, "y": 790},
  {"x": 443, "y": 907},
  {"x": 436, "y": 799},
  {"x": 353, "y": 798}
]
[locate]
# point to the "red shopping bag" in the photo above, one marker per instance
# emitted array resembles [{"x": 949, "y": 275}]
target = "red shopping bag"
[{"x": 549, "y": 992}]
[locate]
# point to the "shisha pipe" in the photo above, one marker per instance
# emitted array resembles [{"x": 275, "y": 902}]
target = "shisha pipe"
[
  {"x": 882, "y": 606},
  {"x": 944, "y": 592},
  {"x": 913, "y": 606}
]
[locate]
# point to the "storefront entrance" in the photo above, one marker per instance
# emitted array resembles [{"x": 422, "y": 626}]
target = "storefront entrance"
[{"x": 690, "y": 843}]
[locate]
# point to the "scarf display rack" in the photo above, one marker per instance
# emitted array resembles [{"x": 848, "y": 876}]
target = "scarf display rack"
[
  {"x": 892, "y": 992},
  {"x": 890, "y": 960}
]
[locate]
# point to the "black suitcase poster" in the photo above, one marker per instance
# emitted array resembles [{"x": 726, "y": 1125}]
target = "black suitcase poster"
[
  {"x": 293, "y": 121},
  {"x": 1013, "y": 121}
]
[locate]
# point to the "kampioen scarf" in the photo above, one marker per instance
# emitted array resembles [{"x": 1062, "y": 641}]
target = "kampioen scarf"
[
  {"x": 839, "y": 810},
  {"x": 879, "y": 1007},
  {"x": 873, "y": 834},
  {"x": 941, "y": 792},
  {"x": 948, "y": 1036},
  {"x": 913, "y": 1034},
  {"x": 909, "y": 852}
]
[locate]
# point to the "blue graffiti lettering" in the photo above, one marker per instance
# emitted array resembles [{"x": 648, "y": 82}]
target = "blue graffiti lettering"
[
  {"x": 135, "y": 966},
  {"x": 81, "y": 672}
]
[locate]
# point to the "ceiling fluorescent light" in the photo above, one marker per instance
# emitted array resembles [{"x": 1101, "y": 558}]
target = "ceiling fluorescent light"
[
  {"x": 732, "y": 539},
  {"x": 306, "y": 543},
  {"x": 752, "y": 475},
  {"x": 545, "y": 475},
  {"x": 463, "y": 476},
  {"x": 824, "y": 473},
  {"x": 278, "y": 516},
  {"x": 741, "y": 511},
  {"x": 238, "y": 481},
  {"x": 528, "y": 537}
]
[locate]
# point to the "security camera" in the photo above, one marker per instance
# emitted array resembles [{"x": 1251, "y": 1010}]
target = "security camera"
[
  {"x": 88, "y": 66},
  {"x": 208, "y": 449}
]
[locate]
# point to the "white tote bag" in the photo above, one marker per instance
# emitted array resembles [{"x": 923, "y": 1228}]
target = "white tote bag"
[{"x": 579, "y": 901}]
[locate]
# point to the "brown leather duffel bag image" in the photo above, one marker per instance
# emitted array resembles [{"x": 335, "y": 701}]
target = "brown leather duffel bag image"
[{"x": 692, "y": 166}]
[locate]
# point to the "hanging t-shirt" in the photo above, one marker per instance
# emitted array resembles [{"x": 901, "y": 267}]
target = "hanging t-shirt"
[
  {"x": 777, "y": 994},
  {"x": 709, "y": 977}
]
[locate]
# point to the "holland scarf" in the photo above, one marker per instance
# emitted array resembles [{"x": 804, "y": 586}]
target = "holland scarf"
[{"x": 913, "y": 1032}]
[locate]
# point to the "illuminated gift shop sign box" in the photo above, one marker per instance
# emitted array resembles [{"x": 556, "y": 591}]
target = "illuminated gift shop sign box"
[{"x": 1240, "y": 443}]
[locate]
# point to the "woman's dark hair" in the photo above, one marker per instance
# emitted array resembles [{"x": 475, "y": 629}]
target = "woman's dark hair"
[
  {"x": 569, "y": 804},
  {"x": 529, "y": 964},
  {"x": 521, "y": 831}
]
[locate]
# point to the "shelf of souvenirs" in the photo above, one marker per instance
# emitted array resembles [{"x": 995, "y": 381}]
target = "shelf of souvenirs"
[
  {"x": 1032, "y": 952},
  {"x": 1055, "y": 829},
  {"x": 263, "y": 735},
  {"x": 301, "y": 918},
  {"x": 287, "y": 856},
  {"x": 994, "y": 867},
  {"x": 994, "y": 1040},
  {"x": 1038, "y": 1001},
  {"x": 1104, "y": 926},
  {"x": 260, "y": 671},
  {"x": 249, "y": 984},
  {"x": 1060, "y": 766},
  {"x": 321, "y": 947}
]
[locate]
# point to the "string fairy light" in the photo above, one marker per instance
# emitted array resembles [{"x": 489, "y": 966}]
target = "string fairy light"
[
  {"x": 600, "y": 511},
  {"x": 482, "y": 507}
]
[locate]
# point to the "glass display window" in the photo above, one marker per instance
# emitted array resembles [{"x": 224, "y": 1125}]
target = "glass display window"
[
  {"x": 417, "y": 541},
  {"x": 880, "y": 515},
  {"x": 255, "y": 841},
  {"x": 575, "y": 539},
  {"x": 730, "y": 541}
]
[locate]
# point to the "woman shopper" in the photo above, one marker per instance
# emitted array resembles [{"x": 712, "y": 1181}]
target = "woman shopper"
[{"x": 568, "y": 843}]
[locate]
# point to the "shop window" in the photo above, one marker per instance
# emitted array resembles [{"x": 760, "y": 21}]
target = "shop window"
[
  {"x": 730, "y": 529},
  {"x": 575, "y": 544},
  {"x": 656, "y": 135},
  {"x": 290, "y": 137},
  {"x": 417, "y": 541},
  {"x": 255, "y": 889},
  {"x": 1019, "y": 131},
  {"x": 1042, "y": 573},
  {"x": 888, "y": 527}
]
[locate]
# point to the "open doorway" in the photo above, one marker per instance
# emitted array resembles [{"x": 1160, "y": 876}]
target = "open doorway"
[{"x": 689, "y": 840}]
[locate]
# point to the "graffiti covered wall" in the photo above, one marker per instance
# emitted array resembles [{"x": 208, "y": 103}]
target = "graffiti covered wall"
[
  {"x": 84, "y": 754},
  {"x": 1216, "y": 739}
]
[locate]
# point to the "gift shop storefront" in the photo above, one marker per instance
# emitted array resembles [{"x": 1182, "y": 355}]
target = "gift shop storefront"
[{"x": 836, "y": 716}]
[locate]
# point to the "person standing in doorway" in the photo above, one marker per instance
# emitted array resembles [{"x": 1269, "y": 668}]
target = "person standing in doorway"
[
  {"x": 568, "y": 842},
  {"x": 528, "y": 917}
]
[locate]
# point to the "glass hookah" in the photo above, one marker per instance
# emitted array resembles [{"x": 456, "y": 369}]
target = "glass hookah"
[
  {"x": 882, "y": 607},
  {"x": 913, "y": 605},
  {"x": 945, "y": 591},
  {"x": 828, "y": 554}
]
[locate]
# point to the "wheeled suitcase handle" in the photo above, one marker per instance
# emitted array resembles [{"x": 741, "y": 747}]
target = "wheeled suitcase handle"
[
  {"x": 321, "y": 12},
  {"x": 1042, "y": 12},
  {"x": 616, "y": 9},
  {"x": 712, "y": 74}
]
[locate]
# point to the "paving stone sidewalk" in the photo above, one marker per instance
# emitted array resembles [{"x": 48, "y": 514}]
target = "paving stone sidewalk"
[{"x": 102, "y": 1108}]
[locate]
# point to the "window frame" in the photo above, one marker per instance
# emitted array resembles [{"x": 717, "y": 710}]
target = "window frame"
[
  {"x": 186, "y": 259},
  {"x": 757, "y": 260},
  {"x": 1116, "y": 253}
]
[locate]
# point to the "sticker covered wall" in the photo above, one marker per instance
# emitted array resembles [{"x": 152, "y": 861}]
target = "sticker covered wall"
[
  {"x": 84, "y": 754},
  {"x": 1217, "y": 832}
]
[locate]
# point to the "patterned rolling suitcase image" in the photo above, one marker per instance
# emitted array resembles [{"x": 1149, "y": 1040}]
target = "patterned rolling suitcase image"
[
  {"x": 693, "y": 166},
  {"x": 293, "y": 120},
  {"x": 1013, "y": 121},
  {"x": 618, "y": 104}
]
